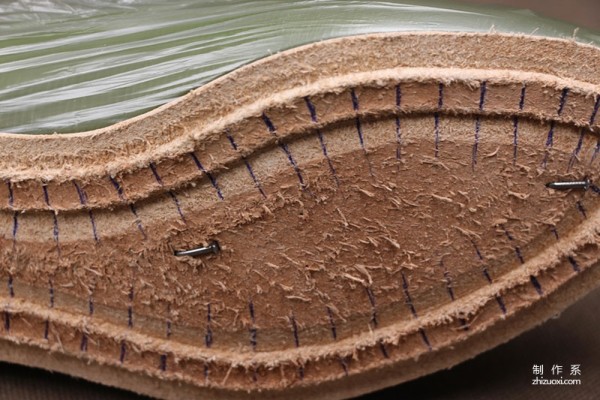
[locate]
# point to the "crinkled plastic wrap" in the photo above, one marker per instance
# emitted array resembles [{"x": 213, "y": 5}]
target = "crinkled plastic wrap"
[{"x": 76, "y": 65}]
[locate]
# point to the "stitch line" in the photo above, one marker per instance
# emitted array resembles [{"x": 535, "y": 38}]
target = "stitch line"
[
  {"x": 313, "y": 116},
  {"x": 54, "y": 217},
  {"x": 11, "y": 288},
  {"x": 596, "y": 151},
  {"x": 487, "y": 276},
  {"x": 595, "y": 110},
  {"x": 248, "y": 166},
  {"x": 413, "y": 311},
  {"x": 574, "y": 264},
  {"x": 11, "y": 197},
  {"x": 355, "y": 106},
  {"x": 253, "y": 331},
  {"x": 534, "y": 281},
  {"x": 483, "y": 91},
  {"x": 581, "y": 209},
  {"x": 515, "y": 139},
  {"x": 208, "y": 337},
  {"x": 285, "y": 149},
  {"x": 210, "y": 176},
  {"x": 132, "y": 208},
  {"x": 398, "y": 125},
  {"x": 575, "y": 155},
  {"x": 332, "y": 323},
  {"x": 373, "y": 306},
  {"x": 83, "y": 200},
  {"x": 563, "y": 101},
  {"x": 549, "y": 144},
  {"x": 169, "y": 192},
  {"x": 522, "y": 98}
]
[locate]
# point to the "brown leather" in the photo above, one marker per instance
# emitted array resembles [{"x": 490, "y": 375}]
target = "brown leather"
[{"x": 380, "y": 218}]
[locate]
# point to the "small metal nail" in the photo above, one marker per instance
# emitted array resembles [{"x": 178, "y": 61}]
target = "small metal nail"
[
  {"x": 585, "y": 185},
  {"x": 212, "y": 248}
]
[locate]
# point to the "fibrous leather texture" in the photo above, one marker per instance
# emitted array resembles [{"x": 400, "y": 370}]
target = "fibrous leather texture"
[{"x": 379, "y": 202}]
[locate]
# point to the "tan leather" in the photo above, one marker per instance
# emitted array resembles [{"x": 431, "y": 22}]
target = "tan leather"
[{"x": 380, "y": 204}]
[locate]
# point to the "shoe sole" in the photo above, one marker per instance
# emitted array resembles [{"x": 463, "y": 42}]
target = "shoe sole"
[{"x": 380, "y": 207}]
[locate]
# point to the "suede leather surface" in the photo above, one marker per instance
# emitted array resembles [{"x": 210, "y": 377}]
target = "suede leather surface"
[{"x": 502, "y": 373}]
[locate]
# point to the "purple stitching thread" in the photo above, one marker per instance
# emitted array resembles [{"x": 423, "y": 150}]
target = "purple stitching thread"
[
  {"x": 130, "y": 309},
  {"x": 248, "y": 166},
  {"x": 595, "y": 189},
  {"x": 170, "y": 192},
  {"x": 355, "y": 106},
  {"x": 498, "y": 297},
  {"x": 121, "y": 195},
  {"x": 285, "y": 149},
  {"x": 313, "y": 116},
  {"x": 517, "y": 249},
  {"x": 413, "y": 311},
  {"x": 563, "y": 100},
  {"x": 176, "y": 201},
  {"x": 11, "y": 289},
  {"x": 581, "y": 209},
  {"x": 84, "y": 343},
  {"x": 11, "y": 198},
  {"x": 46, "y": 329},
  {"x": 332, "y": 323},
  {"x": 15, "y": 228},
  {"x": 483, "y": 91},
  {"x": 123, "y": 351},
  {"x": 373, "y": 306},
  {"x": 576, "y": 150},
  {"x": 51, "y": 293},
  {"x": 574, "y": 264},
  {"x": 549, "y": 143},
  {"x": 398, "y": 131},
  {"x": 138, "y": 221},
  {"x": 383, "y": 349},
  {"x": 295, "y": 330},
  {"x": 448, "y": 280},
  {"x": 436, "y": 118},
  {"x": 554, "y": 231},
  {"x": 296, "y": 342},
  {"x": 595, "y": 111},
  {"x": 55, "y": 229},
  {"x": 163, "y": 357},
  {"x": 482, "y": 94},
  {"x": 51, "y": 305},
  {"x": 407, "y": 297},
  {"x": 252, "y": 329},
  {"x": 536, "y": 284},
  {"x": 6, "y": 321},
  {"x": 522, "y": 98},
  {"x": 344, "y": 365},
  {"x": 208, "y": 337},
  {"x": 91, "y": 305},
  {"x": 516, "y": 125},
  {"x": 515, "y": 139},
  {"x": 117, "y": 187},
  {"x": 210, "y": 176},
  {"x": 83, "y": 201}
]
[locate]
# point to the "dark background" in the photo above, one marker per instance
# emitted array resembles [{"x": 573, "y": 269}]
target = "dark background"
[{"x": 502, "y": 373}]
